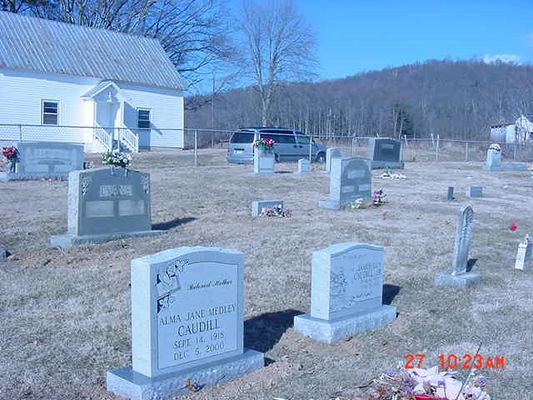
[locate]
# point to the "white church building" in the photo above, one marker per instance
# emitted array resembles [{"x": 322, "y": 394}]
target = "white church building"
[{"x": 70, "y": 83}]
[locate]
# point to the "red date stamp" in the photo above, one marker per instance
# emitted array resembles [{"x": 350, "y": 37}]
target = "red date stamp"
[{"x": 454, "y": 361}]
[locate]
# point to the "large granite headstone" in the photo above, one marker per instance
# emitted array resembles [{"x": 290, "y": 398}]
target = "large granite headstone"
[
  {"x": 45, "y": 160},
  {"x": 331, "y": 153},
  {"x": 474, "y": 191},
  {"x": 524, "y": 255},
  {"x": 350, "y": 179},
  {"x": 459, "y": 275},
  {"x": 385, "y": 153},
  {"x": 346, "y": 293},
  {"x": 264, "y": 161},
  {"x": 106, "y": 204},
  {"x": 187, "y": 323}
]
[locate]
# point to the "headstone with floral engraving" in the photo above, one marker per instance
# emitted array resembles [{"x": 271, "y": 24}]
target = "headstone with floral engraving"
[{"x": 187, "y": 324}]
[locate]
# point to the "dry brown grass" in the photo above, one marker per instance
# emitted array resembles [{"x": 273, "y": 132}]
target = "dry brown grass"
[{"x": 66, "y": 314}]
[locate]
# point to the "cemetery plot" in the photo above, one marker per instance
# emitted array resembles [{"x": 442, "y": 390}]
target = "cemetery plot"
[{"x": 66, "y": 313}]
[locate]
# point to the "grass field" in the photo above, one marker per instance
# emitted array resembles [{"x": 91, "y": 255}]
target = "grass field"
[{"x": 65, "y": 314}]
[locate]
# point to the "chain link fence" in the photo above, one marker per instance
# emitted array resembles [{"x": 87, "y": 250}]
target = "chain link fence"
[{"x": 213, "y": 143}]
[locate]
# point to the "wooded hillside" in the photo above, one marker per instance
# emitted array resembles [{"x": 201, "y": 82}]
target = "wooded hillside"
[{"x": 454, "y": 99}]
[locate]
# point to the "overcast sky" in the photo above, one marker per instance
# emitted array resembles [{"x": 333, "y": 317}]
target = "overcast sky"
[{"x": 363, "y": 35}]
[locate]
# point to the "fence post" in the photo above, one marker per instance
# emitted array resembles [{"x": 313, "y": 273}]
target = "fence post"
[
  {"x": 195, "y": 147},
  {"x": 20, "y": 132},
  {"x": 310, "y": 148},
  {"x": 437, "y": 148},
  {"x": 466, "y": 152}
]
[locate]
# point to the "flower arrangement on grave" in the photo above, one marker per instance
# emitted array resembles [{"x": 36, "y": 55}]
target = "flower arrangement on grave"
[
  {"x": 275, "y": 211},
  {"x": 12, "y": 155},
  {"x": 426, "y": 384},
  {"x": 116, "y": 159},
  {"x": 265, "y": 144},
  {"x": 376, "y": 201},
  {"x": 390, "y": 175},
  {"x": 495, "y": 147}
]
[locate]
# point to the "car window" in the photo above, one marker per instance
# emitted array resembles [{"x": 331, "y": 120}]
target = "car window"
[
  {"x": 302, "y": 139},
  {"x": 281, "y": 139},
  {"x": 242, "y": 137}
]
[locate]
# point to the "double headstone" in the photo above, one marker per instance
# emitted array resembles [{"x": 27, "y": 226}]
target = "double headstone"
[
  {"x": 45, "y": 160},
  {"x": 459, "y": 275},
  {"x": 264, "y": 161},
  {"x": 331, "y": 153},
  {"x": 106, "y": 204},
  {"x": 304, "y": 165},
  {"x": 385, "y": 153},
  {"x": 346, "y": 293},
  {"x": 524, "y": 254},
  {"x": 350, "y": 179},
  {"x": 187, "y": 324}
]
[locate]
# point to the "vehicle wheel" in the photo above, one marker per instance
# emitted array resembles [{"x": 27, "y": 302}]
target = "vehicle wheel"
[{"x": 320, "y": 158}]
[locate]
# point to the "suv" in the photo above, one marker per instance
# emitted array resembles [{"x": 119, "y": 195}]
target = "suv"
[{"x": 289, "y": 145}]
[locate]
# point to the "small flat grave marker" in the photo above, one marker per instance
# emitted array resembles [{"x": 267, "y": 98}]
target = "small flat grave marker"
[{"x": 259, "y": 205}]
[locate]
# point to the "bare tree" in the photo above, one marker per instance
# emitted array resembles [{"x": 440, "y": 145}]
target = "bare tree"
[
  {"x": 278, "y": 45},
  {"x": 194, "y": 33}
]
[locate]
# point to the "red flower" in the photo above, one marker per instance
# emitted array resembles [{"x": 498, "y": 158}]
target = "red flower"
[{"x": 513, "y": 227}]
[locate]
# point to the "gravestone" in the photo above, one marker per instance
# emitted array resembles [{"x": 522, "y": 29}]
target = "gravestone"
[
  {"x": 346, "y": 293},
  {"x": 304, "y": 166},
  {"x": 264, "y": 161},
  {"x": 257, "y": 206},
  {"x": 474, "y": 191},
  {"x": 106, "y": 204},
  {"x": 350, "y": 179},
  {"x": 187, "y": 323},
  {"x": 459, "y": 275},
  {"x": 3, "y": 253},
  {"x": 385, "y": 153},
  {"x": 524, "y": 254},
  {"x": 450, "y": 193},
  {"x": 494, "y": 160},
  {"x": 331, "y": 153},
  {"x": 45, "y": 160}
]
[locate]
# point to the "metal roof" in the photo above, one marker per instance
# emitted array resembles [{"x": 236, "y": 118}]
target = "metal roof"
[{"x": 40, "y": 45}]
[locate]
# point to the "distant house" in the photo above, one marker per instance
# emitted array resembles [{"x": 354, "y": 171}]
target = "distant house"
[
  {"x": 64, "y": 82},
  {"x": 520, "y": 131}
]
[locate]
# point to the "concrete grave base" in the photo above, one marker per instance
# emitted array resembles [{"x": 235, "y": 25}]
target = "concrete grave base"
[
  {"x": 10, "y": 176},
  {"x": 125, "y": 382},
  {"x": 386, "y": 164},
  {"x": 330, "y": 204},
  {"x": 331, "y": 331},
  {"x": 462, "y": 280},
  {"x": 68, "y": 240},
  {"x": 508, "y": 167}
]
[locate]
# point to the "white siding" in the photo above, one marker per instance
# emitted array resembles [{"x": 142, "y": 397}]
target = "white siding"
[
  {"x": 166, "y": 114},
  {"x": 21, "y": 95}
]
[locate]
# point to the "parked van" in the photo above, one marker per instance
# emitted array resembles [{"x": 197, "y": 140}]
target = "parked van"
[{"x": 289, "y": 145}]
